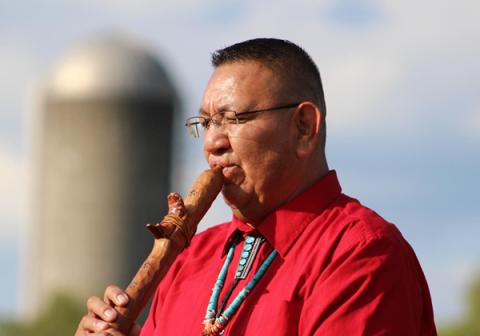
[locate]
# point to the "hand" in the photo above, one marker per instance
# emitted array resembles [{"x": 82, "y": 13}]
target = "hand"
[{"x": 101, "y": 312}]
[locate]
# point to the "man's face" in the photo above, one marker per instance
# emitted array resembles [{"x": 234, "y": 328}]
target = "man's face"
[{"x": 258, "y": 154}]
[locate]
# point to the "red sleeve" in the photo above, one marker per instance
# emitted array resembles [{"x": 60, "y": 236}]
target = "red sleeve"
[{"x": 373, "y": 287}]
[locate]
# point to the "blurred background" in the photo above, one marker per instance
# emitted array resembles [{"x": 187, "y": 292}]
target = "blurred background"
[{"x": 401, "y": 81}]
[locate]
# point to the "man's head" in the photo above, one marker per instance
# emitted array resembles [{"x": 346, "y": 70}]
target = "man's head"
[
  {"x": 271, "y": 155},
  {"x": 285, "y": 59}
]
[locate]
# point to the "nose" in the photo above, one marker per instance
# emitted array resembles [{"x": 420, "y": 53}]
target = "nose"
[{"x": 216, "y": 141}]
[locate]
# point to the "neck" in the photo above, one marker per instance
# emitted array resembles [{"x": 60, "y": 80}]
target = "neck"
[{"x": 310, "y": 177}]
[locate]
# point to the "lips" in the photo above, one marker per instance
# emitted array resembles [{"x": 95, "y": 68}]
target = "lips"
[
  {"x": 223, "y": 164},
  {"x": 231, "y": 172},
  {"x": 227, "y": 169}
]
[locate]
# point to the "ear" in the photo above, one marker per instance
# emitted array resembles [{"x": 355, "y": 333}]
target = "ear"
[{"x": 307, "y": 122}]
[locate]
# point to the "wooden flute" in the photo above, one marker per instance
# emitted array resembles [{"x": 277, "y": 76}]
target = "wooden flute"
[{"x": 172, "y": 235}]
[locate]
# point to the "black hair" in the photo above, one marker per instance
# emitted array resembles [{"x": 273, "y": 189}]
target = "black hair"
[{"x": 282, "y": 56}]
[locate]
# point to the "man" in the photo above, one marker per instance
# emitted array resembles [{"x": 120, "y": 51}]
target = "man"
[{"x": 299, "y": 257}]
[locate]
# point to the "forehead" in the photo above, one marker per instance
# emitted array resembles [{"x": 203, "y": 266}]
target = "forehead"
[{"x": 239, "y": 85}]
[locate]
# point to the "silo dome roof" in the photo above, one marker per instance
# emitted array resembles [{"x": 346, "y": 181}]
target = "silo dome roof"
[{"x": 111, "y": 67}]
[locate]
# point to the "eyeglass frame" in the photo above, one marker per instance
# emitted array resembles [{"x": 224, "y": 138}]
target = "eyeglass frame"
[{"x": 209, "y": 120}]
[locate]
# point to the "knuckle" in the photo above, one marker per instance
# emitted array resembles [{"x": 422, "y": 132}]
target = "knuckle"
[
  {"x": 111, "y": 292},
  {"x": 91, "y": 301},
  {"x": 114, "y": 294},
  {"x": 84, "y": 321},
  {"x": 84, "y": 326},
  {"x": 112, "y": 289}
]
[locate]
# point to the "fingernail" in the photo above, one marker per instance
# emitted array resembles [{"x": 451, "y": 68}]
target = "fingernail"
[
  {"x": 109, "y": 313},
  {"x": 101, "y": 324},
  {"x": 122, "y": 298}
]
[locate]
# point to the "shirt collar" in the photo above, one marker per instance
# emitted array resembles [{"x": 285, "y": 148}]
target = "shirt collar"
[{"x": 282, "y": 227}]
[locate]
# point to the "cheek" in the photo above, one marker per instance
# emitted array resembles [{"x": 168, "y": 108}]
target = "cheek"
[
  {"x": 263, "y": 153},
  {"x": 260, "y": 162}
]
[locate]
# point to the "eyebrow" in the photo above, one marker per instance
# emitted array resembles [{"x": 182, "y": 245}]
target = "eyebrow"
[
  {"x": 223, "y": 108},
  {"x": 203, "y": 113}
]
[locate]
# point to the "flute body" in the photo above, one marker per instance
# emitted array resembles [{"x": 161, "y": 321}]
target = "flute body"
[{"x": 172, "y": 235}]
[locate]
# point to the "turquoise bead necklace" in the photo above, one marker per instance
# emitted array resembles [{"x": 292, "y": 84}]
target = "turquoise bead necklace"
[{"x": 215, "y": 321}]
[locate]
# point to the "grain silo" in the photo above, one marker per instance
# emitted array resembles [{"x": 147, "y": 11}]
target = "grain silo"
[{"x": 103, "y": 171}]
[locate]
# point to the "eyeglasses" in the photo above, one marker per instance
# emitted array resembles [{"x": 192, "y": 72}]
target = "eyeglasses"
[{"x": 197, "y": 125}]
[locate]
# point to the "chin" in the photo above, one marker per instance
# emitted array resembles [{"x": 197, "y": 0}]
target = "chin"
[
  {"x": 234, "y": 196},
  {"x": 229, "y": 194}
]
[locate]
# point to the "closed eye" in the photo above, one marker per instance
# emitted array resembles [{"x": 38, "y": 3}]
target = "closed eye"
[{"x": 245, "y": 116}]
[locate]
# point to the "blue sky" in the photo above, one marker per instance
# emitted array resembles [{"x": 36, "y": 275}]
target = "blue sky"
[{"x": 401, "y": 82}]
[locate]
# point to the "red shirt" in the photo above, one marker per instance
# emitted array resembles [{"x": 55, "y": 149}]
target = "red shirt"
[{"x": 341, "y": 270}]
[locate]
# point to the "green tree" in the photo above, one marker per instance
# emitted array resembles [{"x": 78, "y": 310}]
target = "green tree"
[
  {"x": 470, "y": 326},
  {"x": 59, "y": 318}
]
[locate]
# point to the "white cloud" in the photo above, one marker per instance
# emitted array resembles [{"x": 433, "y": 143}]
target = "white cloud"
[
  {"x": 363, "y": 68},
  {"x": 357, "y": 85},
  {"x": 18, "y": 68},
  {"x": 381, "y": 185},
  {"x": 142, "y": 8},
  {"x": 433, "y": 20},
  {"x": 371, "y": 73},
  {"x": 416, "y": 57},
  {"x": 13, "y": 199}
]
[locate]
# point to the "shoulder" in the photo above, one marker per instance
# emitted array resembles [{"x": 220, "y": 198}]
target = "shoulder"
[
  {"x": 356, "y": 224},
  {"x": 348, "y": 230},
  {"x": 370, "y": 244},
  {"x": 367, "y": 274},
  {"x": 352, "y": 244}
]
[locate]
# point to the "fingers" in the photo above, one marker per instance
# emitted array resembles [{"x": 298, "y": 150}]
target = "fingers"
[
  {"x": 115, "y": 296},
  {"x": 99, "y": 309},
  {"x": 90, "y": 324},
  {"x": 101, "y": 313},
  {"x": 103, "y": 309},
  {"x": 113, "y": 332}
]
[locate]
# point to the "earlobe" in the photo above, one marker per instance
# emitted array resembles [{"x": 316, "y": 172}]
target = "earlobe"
[{"x": 307, "y": 123}]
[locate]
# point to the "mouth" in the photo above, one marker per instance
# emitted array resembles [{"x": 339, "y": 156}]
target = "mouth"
[
  {"x": 218, "y": 163},
  {"x": 230, "y": 171}
]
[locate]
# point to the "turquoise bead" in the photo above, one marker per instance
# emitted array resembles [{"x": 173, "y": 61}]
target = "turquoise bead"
[{"x": 224, "y": 317}]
